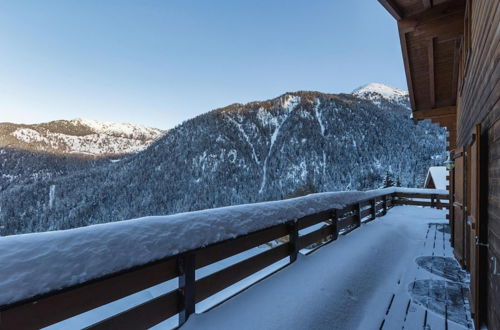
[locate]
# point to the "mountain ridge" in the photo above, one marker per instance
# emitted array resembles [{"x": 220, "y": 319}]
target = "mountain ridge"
[
  {"x": 41, "y": 152},
  {"x": 78, "y": 136},
  {"x": 290, "y": 145}
]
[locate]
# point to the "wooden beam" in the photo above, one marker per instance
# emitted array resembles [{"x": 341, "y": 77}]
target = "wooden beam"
[
  {"x": 456, "y": 58},
  {"x": 430, "y": 55},
  {"x": 392, "y": 8},
  {"x": 406, "y": 61},
  {"x": 435, "y": 113},
  {"x": 445, "y": 117},
  {"x": 448, "y": 123},
  {"x": 47, "y": 309},
  {"x": 436, "y": 13}
]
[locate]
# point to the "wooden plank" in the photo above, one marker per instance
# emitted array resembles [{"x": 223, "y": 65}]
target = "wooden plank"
[
  {"x": 477, "y": 266},
  {"x": 365, "y": 213},
  {"x": 422, "y": 196},
  {"x": 449, "y": 122},
  {"x": 186, "y": 267},
  {"x": 406, "y": 61},
  {"x": 436, "y": 113},
  {"x": 349, "y": 208},
  {"x": 39, "y": 312},
  {"x": 358, "y": 215},
  {"x": 347, "y": 222},
  {"x": 315, "y": 236},
  {"x": 392, "y": 8},
  {"x": 420, "y": 203},
  {"x": 229, "y": 248},
  {"x": 429, "y": 59},
  {"x": 427, "y": 4},
  {"x": 293, "y": 240},
  {"x": 459, "y": 200},
  {"x": 481, "y": 85},
  {"x": 432, "y": 89},
  {"x": 415, "y": 318},
  {"x": 313, "y": 219},
  {"x": 145, "y": 315},
  {"x": 213, "y": 283},
  {"x": 437, "y": 13}
]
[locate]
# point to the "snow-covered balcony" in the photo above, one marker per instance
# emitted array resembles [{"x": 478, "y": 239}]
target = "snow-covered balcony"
[{"x": 396, "y": 271}]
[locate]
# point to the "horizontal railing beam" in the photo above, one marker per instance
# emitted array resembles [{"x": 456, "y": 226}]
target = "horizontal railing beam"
[
  {"x": 57, "y": 306},
  {"x": 213, "y": 283},
  {"x": 226, "y": 249}
]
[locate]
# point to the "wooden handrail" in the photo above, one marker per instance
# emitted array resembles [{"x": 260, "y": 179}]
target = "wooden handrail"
[{"x": 53, "y": 307}]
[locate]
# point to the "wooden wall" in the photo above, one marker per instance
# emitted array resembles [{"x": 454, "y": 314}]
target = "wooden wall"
[{"x": 479, "y": 102}]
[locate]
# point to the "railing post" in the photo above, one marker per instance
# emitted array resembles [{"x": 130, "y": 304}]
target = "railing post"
[
  {"x": 384, "y": 203},
  {"x": 358, "y": 215},
  {"x": 186, "y": 267},
  {"x": 373, "y": 205},
  {"x": 293, "y": 235},
  {"x": 433, "y": 200},
  {"x": 335, "y": 227}
]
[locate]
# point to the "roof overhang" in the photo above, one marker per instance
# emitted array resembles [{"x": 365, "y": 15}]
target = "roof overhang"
[{"x": 431, "y": 34}]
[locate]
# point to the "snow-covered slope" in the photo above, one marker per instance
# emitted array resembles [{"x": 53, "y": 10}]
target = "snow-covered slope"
[
  {"x": 43, "y": 152},
  {"x": 126, "y": 130},
  {"x": 78, "y": 136},
  {"x": 377, "y": 91},
  {"x": 291, "y": 145}
]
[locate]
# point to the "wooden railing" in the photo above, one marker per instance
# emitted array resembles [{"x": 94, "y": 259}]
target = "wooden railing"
[{"x": 54, "y": 307}]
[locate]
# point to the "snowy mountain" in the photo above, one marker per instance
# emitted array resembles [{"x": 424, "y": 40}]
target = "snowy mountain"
[
  {"x": 376, "y": 92},
  {"x": 78, "y": 136},
  {"x": 291, "y": 145},
  {"x": 32, "y": 153}
]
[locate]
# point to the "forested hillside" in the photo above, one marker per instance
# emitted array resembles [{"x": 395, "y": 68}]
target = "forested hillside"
[
  {"x": 41, "y": 152},
  {"x": 294, "y": 144}
]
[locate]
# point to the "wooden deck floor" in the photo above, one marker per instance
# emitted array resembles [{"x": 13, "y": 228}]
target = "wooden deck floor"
[
  {"x": 397, "y": 272},
  {"x": 437, "y": 288}
]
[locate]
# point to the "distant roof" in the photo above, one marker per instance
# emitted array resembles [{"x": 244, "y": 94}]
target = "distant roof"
[{"x": 438, "y": 175}]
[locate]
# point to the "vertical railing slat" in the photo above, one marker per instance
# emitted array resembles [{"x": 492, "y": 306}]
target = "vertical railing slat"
[
  {"x": 186, "y": 265},
  {"x": 293, "y": 234},
  {"x": 373, "y": 205},
  {"x": 335, "y": 227},
  {"x": 358, "y": 214}
]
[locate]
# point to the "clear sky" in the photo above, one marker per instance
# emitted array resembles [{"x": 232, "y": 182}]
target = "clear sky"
[{"x": 159, "y": 62}]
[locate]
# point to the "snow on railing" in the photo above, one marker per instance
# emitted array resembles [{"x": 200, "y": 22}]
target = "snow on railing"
[{"x": 110, "y": 260}]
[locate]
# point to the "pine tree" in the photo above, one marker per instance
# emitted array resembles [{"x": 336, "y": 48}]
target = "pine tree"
[{"x": 388, "y": 181}]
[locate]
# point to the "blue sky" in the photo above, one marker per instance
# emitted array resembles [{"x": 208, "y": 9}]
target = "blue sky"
[{"x": 160, "y": 62}]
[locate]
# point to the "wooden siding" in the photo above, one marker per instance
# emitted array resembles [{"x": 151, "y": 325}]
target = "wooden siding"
[
  {"x": 439, "y": 53},
  {"x": 479, "y": 97},
  {"x": 493, "y": 230},
  {"x": 478, "y": 101}
]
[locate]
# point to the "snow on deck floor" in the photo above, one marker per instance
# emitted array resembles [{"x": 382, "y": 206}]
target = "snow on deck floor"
[{"x": 361, "y": 281}]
